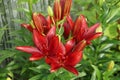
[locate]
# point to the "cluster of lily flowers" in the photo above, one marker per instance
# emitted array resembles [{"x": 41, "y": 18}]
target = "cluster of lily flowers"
[{"x": 58, "y": 39}]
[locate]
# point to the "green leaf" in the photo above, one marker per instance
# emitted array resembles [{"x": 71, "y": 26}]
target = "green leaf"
[
  {"x": 18, "y": 21},
  {"x": 51, "y": 76},
  {"x": 5, "y": 54},
  {"x": 105, "y": 47},
  {"x": 107, "y": 73},
  {"x": 113, "y": 17},
  {"x": 2, "y": 30},
  {"x": 36, "y": 77},
  {"x": 35, "y": 69},
  {"x": 93, "y": 76},
  {"x": 61, "y": 31},
  {"x": 81, "y": 74},
  {"x": 111, "y": 30},
  {"x": 96, "y": 73}
]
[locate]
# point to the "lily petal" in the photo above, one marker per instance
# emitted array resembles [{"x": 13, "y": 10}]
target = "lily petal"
[
  {"x": 67, "y": 29},
  {"x": 53, "y": 63},
  {"x": 71, "y": 69},
  {"x": 53, "y": 45},
  {"x": 38, "y": 22},
  {"x": 69, "y": 45},
  {"x": 70, "y": 21},
  {"x": 61, "y": 49},
  {"x": 49, "y": 21},
  {"x": 28, "y": 49},
  {"x": 73, "y": 58},
  {"x": 92, "y": 30},
  {"x": 84, "y": 23},
  {"x": 57, "y": 10},
  {"x": 36, "y": 56},
  {"x": 44, "y": 23},
  {"x": 40, "y": 41},
  {"x": 95, "y": 36},
  {"x": 77, "y": 26},
  {"x": 80, "y": 46},
  {"x": 51, "y": 33},
  {"x": 66, "y": 8},
  {"x": 27, "y": 26}
]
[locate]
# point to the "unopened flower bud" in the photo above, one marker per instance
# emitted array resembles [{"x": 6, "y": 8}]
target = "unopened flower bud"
[
  {"x": 111, "y": 65},
  {"x": 101, "y": 2},
  {"x": 57, "y": 10},
  {"x": 50, "y": 12}
]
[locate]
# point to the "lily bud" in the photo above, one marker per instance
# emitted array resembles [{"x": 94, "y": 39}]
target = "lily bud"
[
  {"x": 111, "y": 65},
  {"x": 50, "y": 12},
  {"x": 101, "y": 2},
  {"x": 57, "y": 10},
  {"x": 66, "y": 8},
  {"x": 8, "y": 78}
]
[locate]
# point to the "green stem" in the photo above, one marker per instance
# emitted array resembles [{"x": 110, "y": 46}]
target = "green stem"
[{"x": 30, "y": 6}]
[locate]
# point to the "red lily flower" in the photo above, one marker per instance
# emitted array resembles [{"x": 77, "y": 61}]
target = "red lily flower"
[
  {"x": 69, "y": 59},
  {"x": 45, "y": 45},
  {"x": 40, "y": 23},
  {"x": 82, "y": 32}
]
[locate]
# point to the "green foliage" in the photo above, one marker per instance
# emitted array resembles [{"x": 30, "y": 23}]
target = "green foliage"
[{"x": 2, "y": 30}]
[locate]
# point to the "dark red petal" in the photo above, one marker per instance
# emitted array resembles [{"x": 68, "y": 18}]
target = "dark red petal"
[
  {"x": 83, "y": 28},
  {"x": 62, "y": 3},
  {"x": 49, "y": 21},
  {"x": 28, "y": 49},
  {"x": 70, "y": 21},
  {"x": 67, "y": 7},
  {"x": 53, "y": 45},
  {"x": 71, "y": 69},
  {"x": 84, "y": 23},
  {"x": 67, "y": 29},
  {"x": 36, "y": 56},
  {"x": 54, "y": 67},
  {"x": 57, "y": 10},
  {"x": 61, "y": 49},
  {"x": 37, "y": 22},
  {"x": 73, "y": 58},
  {"x": 69, "y": 45},
  {"x": 51, "y": 33},
  {"x": 80, "y": 46},
  {"x": 53, "y": 63},
  {"x": 44, "y": 23},
  {"x": 92, "y": 30},
  {"x": 95, "y": 36},
  {"x": 40, "y": 41},
  {"x": 77, "y": 26},
  {"x": 27, "y": 26},
  {"x": 43, "y": 19}
]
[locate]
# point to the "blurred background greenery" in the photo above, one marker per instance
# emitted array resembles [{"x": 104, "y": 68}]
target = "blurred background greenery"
[{"x": 101, "y": 60}]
